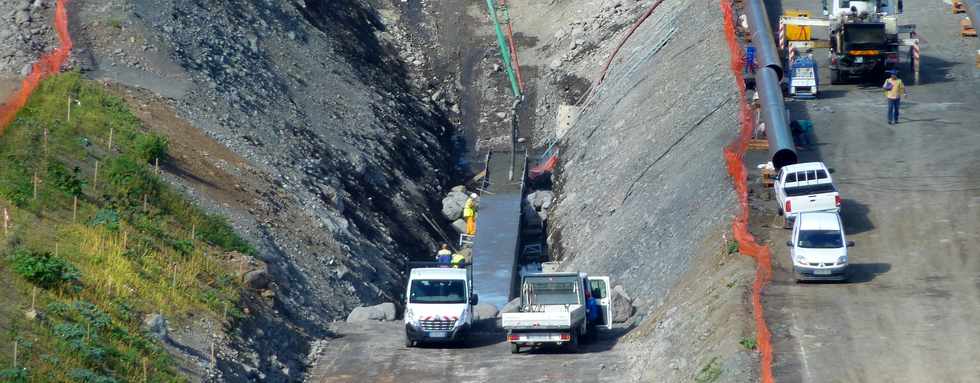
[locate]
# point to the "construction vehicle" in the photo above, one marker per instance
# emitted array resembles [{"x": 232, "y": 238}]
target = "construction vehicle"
[
  {"x": 865, "y": 38},
  {"x": 439, "y": 302},
  {"x": 556, "y": 309},
  {"x": 803, "y": 78}
]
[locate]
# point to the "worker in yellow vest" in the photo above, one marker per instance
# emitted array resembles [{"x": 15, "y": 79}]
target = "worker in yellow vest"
[
  {"x": 469, "y": 214},
  {"x": 458, "y": 260}
]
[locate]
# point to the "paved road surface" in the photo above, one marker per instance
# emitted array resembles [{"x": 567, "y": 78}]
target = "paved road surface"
[
  {"x": 912, "y": 204},
  {"x": 375, "y": 352}
]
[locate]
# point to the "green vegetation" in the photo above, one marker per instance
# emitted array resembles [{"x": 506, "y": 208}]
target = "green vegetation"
[
  {"x": 732, "y": 247},
  {"x": 710, "y": 372},
  {"x": 91, "y": 251},
  {"x": 748, "y": 343}
]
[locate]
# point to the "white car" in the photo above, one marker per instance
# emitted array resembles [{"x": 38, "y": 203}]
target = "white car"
[{"x": 818, "y": 248}]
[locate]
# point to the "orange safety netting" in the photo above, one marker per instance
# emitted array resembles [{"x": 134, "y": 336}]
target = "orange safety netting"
[
  {"x": 547, "y": 167},
  {"x": 740, "y": 226},
  {"x": 50, "y": 63}
]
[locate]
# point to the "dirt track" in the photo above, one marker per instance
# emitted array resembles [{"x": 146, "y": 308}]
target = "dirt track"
[
  {"x": 912, "y": 203},
  {"x": 375, "y": 352}
]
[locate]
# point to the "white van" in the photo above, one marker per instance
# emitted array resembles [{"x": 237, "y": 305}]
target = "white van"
[
  {"x": 438, "y": 305},
  {"x": 818, "y": 248}
]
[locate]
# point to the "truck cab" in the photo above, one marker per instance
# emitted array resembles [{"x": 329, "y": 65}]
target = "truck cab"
[{"x": 438, "y": 305}]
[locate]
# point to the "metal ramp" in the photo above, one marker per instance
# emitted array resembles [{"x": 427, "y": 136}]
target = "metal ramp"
[{"x": 498, "y": 227}]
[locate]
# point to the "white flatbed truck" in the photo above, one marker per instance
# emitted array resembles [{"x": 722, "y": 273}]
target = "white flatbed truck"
[{"x": 555, "y": 309}]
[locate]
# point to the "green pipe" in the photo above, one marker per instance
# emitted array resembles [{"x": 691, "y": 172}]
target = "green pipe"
[{"x": 504, "y": 50}]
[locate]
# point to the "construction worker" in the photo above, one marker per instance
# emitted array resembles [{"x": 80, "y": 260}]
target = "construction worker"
[
  {"x": 458, "y": 260},
  {"x": 444, "y": 255},
  {"x": 469, "y": 214},
  {"x": 894, "y": 91}
]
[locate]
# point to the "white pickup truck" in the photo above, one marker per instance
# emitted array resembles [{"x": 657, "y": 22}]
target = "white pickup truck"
[
  {"x": 805, "y": 187},
  {"x": 558, "y": 308}
]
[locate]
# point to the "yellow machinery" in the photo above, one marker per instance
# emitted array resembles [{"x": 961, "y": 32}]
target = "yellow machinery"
[{"x": 798, "y": 32}]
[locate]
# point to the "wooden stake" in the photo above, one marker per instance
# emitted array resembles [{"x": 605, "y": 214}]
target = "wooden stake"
[
  {"x": 158, "y": 165},
  {"x": 110, "y": 138},
  {"x": 33, "y": 298},
  {"x": 45, "y": 141},
  {"x": 95, "y": 179},
  {"x": 6, "y": 221},
  {"x": 35, "y": 185},
  {"x": 74, "y": 209},
  {"x": 173, "y": 285},
  {"x": 144, "y": 202},
  {"x": 144, "y": 370},
  {"x": 193, "y": 231},
  {"x": 125, "y": 239},
  {"x": 69, "y": 108}
]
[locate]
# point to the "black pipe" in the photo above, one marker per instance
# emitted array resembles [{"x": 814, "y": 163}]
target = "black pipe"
[
  {"x": 782, "y": 150},
  {"x": 765, "y": 46}
]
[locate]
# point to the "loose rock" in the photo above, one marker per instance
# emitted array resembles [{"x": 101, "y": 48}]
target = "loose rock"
[{"x": 382, "y": 312}]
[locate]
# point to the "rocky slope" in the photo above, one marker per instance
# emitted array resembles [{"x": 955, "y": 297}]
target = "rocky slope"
[
  {"x": 333, "y": 157},
  {"x": 642, "y": 191}
]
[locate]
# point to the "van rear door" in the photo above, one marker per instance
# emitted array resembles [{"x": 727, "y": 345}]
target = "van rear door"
[{"x": 601, "y": 290}]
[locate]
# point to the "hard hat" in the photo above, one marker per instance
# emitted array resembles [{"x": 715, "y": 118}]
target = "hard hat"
[{"x": 473, "y": 195}]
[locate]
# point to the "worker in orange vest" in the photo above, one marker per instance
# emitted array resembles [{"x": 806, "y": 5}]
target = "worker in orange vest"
[{"x": 469, "y": 214}]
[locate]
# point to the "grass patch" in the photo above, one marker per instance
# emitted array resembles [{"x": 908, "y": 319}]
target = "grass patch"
[
  {"x": 100, "y": 249},
  {"x": 710, "y": 372},
  {"x": 748, "y": 343}
]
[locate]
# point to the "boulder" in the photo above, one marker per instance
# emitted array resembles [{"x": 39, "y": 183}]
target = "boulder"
[
  {"x": 622, "y": 304},
  {"x": 458, "y": 189},
  {"x": 382, "y": 312},
  {"x": 257, "y": 279},
  {"x": 542, "y": 199},
  {"x": 156, "y": 325},
  {"x": 484, "y": 311},
  {"x": 459, "y": 225},
  {"x": 511, "y": 306},
  {"x": 452, "y": 205}
]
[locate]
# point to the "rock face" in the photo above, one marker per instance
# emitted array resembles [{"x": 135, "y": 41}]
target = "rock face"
[
  {"x": 382, "y": 312},
  {"x": 622, "y": 304}
]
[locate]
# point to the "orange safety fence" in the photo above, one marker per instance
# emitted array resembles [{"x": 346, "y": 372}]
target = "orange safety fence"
[
  {"x": 740, "y": 225},
  {"x": 50, "y": 63}
]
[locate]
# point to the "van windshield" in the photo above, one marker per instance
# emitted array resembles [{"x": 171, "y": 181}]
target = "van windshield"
[
  {"x": 552, "y": 293},
  {"x": 820, "y": 239},
  {"x": 437, "y": 291}
]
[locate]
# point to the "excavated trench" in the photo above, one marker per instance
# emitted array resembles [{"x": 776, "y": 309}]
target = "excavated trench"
[{"x": 334, "y": 106}]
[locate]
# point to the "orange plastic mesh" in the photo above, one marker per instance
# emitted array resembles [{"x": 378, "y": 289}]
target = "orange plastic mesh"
[
  {"x": 740, "y": 225},
  {"x": 50, "y": 63}
]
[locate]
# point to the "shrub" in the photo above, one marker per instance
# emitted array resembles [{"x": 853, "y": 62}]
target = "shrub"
[
  {"x": 44, "y": 269},
  {"x": 129, "y": 182},
  {"x": 215, "y": 230},
  {"x": 150, "y": 147},
  {"x": 748, "y": 343},
  {"x": 68, "y": 182},
  {"x": 13, "y": 375},
  {"x": 87, "y": 376},
  {"x": 107, "y": 217}
]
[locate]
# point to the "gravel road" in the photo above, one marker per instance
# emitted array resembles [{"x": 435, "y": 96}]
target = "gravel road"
[
  {"x": 375, "y": 352},
  {"x": 912, "y": 203}
]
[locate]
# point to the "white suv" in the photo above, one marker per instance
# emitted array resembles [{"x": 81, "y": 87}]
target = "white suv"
[{"x": 818, "y": 248}]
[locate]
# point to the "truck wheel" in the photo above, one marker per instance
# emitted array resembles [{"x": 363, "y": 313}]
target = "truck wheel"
[
  {"x": 779, "y": 211},
  {"x": 835, "y": 76},
  {"x": 409, "y": 343},
  {"x": 515, "y": 348},
  {"x": 786, "y": 223}
]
